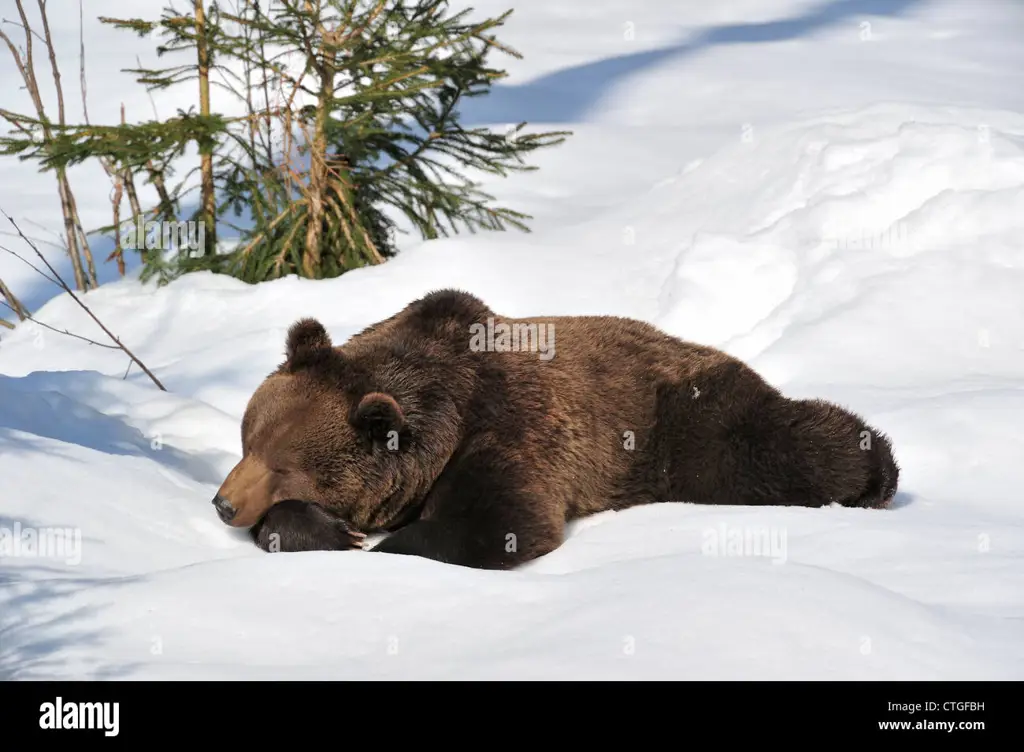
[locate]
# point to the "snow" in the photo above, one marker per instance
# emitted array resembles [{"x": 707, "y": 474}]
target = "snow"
[{"x": 832, "y": 191}]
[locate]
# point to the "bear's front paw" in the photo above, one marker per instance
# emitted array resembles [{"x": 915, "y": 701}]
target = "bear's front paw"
[{"x": 304, "y": 526}]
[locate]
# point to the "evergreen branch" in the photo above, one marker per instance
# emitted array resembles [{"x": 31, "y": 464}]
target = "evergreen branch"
[{"x": 138, "y": 25}]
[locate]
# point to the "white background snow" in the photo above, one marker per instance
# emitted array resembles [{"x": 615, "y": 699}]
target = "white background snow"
[{"x": 831, "y": 190}]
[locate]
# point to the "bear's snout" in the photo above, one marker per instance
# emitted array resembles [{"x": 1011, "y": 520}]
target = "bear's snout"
[
  {"x": 225, "y": 511},
  {"x": 247, "y": 493}
]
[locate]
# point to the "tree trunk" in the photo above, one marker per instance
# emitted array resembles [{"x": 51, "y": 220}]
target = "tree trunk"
[
  {"x": 13, "y": 302},
  {"x": 78, "y": 243},
  {"x": 318, "y": 162},
  {"x": 70, "y": 232},
  {"x": 206, "y": 150}
]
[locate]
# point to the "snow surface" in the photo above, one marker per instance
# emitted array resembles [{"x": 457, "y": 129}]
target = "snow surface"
[{"x": 833, "y": 191}]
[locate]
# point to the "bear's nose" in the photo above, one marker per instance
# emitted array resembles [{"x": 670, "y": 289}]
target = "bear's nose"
[{"x": 225, "y": 511}]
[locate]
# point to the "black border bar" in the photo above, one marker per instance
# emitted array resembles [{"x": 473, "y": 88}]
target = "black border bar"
[{"x": 517, "y": 713}]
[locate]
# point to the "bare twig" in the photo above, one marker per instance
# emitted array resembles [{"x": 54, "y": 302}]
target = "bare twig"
[
  {"x": 83, "y": 306},
  {"x": 64, "y": 331},
  {"x": 32, "y": 266}
]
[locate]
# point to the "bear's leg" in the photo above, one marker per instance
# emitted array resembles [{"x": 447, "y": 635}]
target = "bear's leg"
[
  {"x": 852, "y": 463},
  {"x": 882, "y": 473},
  {"x": 481, "y": 514},
  {"x": 473, "y": 542},
  {"x": 303, "y": 526},
  {"x": 811, "y": 453}
]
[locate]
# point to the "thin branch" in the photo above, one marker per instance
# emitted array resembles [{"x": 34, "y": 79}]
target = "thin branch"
[
  {"x": 83, "y": 306},
  {"x": 62, "y": 331},
  {"x": 28, "y": 263}
]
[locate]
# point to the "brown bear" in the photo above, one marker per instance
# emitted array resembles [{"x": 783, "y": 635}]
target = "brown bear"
[{"x": 473, "y": 438}]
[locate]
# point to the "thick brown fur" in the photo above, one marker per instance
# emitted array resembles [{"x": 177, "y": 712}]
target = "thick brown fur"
[{"x": 479, "y": 458}]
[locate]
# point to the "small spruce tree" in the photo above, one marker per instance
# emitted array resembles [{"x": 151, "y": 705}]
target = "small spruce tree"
[
  {"x": 367, "y": 95},
  {"x": 351, "y": 124}
]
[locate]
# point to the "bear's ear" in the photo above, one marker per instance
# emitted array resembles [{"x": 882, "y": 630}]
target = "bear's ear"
[
  {"x": 307, "y": 341},
  {"x": 378, "y": 417}
]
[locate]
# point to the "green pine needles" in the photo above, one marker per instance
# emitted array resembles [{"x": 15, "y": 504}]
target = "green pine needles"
[{"x": 349, "y": 130}]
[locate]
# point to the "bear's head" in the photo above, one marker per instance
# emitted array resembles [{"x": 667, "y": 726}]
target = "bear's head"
[{"x": 322, "y": 429}]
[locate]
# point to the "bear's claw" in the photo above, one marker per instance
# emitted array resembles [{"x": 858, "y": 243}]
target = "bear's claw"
[{"x": 295, "y": 525}]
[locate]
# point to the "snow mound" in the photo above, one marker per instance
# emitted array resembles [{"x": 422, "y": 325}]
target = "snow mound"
[
  {"x": 861, "y": 232},
  {"x": 754, "y": 251}
]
